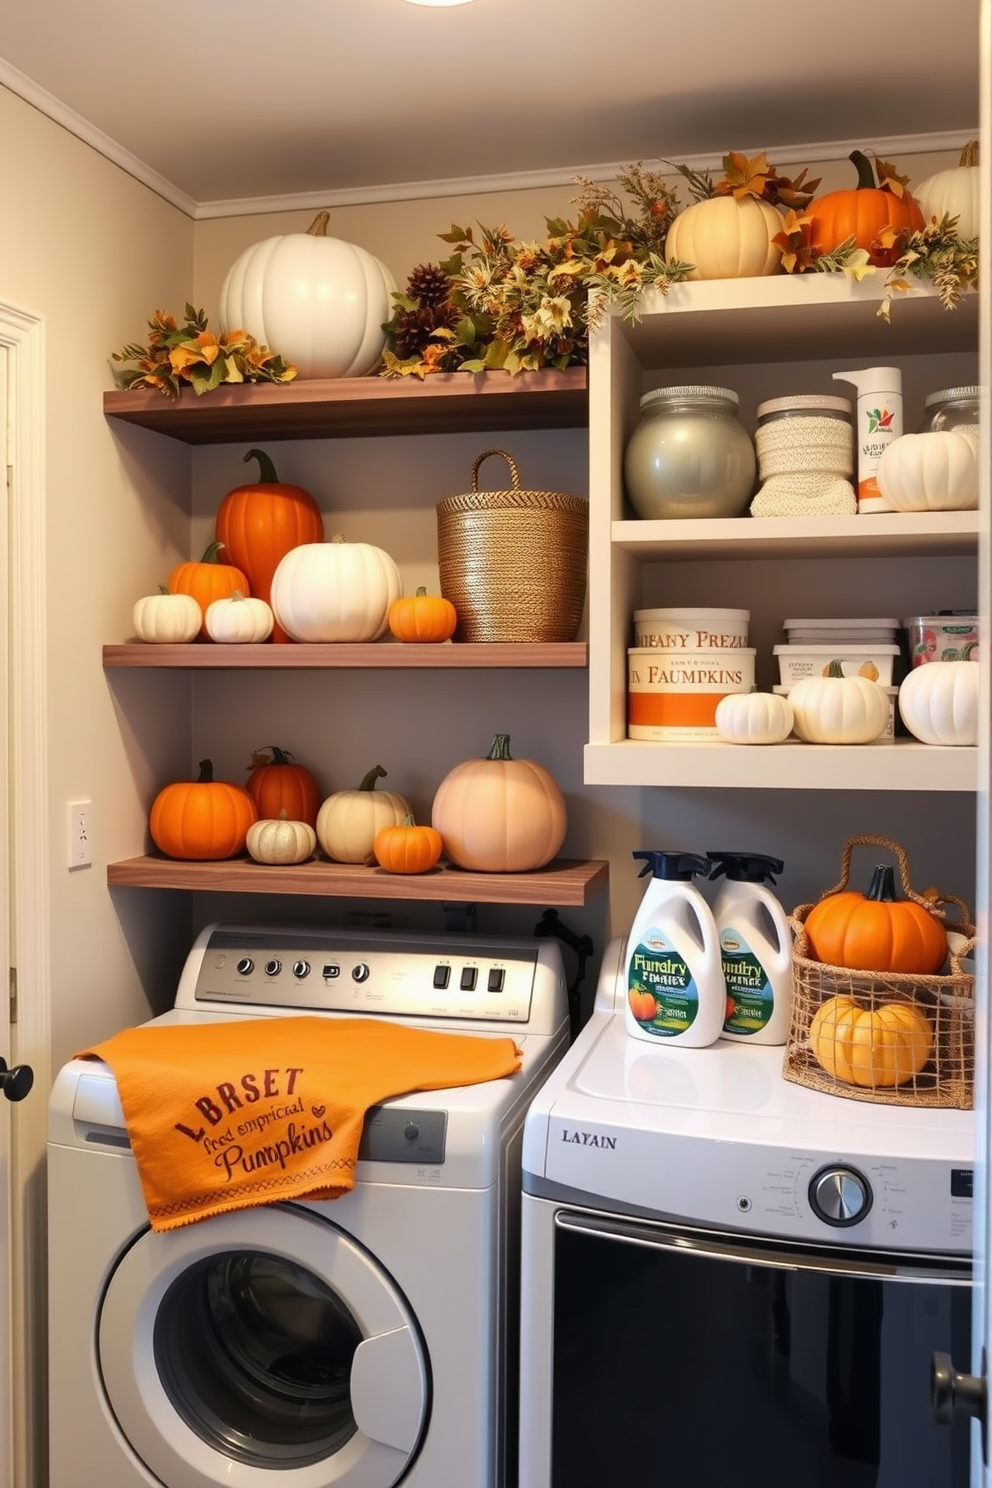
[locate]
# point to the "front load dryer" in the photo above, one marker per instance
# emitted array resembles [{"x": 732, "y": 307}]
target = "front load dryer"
[{"x": 356, "y": 1343}]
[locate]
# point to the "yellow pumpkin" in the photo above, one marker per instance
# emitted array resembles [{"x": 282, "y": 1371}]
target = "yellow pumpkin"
[
  {"x": 873, "y": 1048},
  {"x": 348, "y": 821},
  {"x": 500, "y": 815}
]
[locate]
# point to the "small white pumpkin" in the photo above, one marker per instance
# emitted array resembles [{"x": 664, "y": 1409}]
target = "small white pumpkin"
[
  {"x": 933, "y": 471},
  {"x": 835, "y": 709},
  {"x": 167, "y": 619},
  {"x": 938, "y": 702},
  {"x": 954, "y": 193},
  {"x": 726, "y": 238},
  {"x": 335, "y": 591},
  {"x": 318, "y": 301},
  {"x": 280, "y": 841},
  {"x": 754, "y": 717},
  {"x": 348, "y": 820},
  {"x": 238, "y": 621}
]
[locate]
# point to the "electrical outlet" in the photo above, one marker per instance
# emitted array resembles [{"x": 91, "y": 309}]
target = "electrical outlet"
[{"x": 80, "y": 825}]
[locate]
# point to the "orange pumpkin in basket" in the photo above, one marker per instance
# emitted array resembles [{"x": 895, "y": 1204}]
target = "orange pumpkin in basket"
[
  {"x": 875, "y": 1048},
  {"x": 876, "y": 931}
]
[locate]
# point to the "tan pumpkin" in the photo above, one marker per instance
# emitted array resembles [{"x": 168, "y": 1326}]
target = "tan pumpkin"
[
  {"x": 279, "y": 841},
  {"x": 498, "y": 814},
  {"x": 875, "y": 1048},
  {"x": 348, "y": 821},
  {"x": 726, "y": 238}
]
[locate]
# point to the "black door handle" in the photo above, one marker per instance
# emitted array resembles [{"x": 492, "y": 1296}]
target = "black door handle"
[
  {"x": 15, "y": 1083},
  {"x": 953, "y": 1394}
]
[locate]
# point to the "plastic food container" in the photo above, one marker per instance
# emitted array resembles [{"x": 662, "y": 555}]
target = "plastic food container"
[
  {"x": 893, "y": 693},
  {"x": 874, "y": 662},
  {"x": 942, "y": 638},
  {"x": 679, "y": 629},
  {"x": 860, "y": 632},
  {"x": 672, "y": 695}
]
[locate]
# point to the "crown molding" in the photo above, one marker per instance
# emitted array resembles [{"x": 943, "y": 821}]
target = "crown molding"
[{"x": 354, "y": 196}]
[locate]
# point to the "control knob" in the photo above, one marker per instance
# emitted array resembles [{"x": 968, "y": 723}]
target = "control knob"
[
  {"x": 361, "y": 972},
  {"x": 245, "y": 966},
  {"x": 273, "y": 967},
  {"x": 840, "y": 1196},
  {"x": 301, "y": 969}
]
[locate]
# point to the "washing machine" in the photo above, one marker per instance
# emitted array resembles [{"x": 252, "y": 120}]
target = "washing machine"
[
  {"x": 355, "y": 1343},
  {"x": 730, "y": 1278}
]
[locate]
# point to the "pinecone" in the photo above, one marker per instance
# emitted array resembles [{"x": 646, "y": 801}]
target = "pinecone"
[
  {"x": 413, "y": 329},
  {"x": 428, "y": 285}
]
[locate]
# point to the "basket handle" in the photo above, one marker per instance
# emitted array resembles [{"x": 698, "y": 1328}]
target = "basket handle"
[
  {"x": 869, "y": 840},
  {"x": 514, "y": 477}
]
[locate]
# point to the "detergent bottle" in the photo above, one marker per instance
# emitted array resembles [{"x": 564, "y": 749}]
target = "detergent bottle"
[
  {"x": 756, "y": 947},
  {"x": 878, "y": 422},
  {"x": 675, "y": 986}
]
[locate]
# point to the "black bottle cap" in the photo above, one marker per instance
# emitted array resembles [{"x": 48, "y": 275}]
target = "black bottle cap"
[
  {"x": 676, "y": 865},
  {"x": 745, "y": 867}
]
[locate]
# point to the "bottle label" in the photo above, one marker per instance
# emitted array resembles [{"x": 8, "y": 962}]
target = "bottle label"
[
  {"x": 662, "y": 993},
  {"x": 750, "y": 999}
]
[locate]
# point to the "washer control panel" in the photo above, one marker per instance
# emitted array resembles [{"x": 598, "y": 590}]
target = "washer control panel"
[{"x": 468, "y": 978}]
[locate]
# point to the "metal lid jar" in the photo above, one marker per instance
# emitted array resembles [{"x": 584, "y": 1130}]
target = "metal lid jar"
[
  {"x": 689, "y": 455},
  {"x": 953, "y": 408}
]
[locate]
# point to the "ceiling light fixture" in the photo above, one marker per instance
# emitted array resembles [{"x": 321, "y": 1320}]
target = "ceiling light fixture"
[{"x": 439, "y": 2}]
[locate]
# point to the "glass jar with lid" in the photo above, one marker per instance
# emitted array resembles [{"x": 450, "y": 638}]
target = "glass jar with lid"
[
  {"x": 689, "y": 455},
  {"x": 953, "y": 408}
]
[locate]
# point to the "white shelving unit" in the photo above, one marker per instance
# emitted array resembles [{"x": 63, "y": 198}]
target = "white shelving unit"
[{"x": 765, "y": 337}]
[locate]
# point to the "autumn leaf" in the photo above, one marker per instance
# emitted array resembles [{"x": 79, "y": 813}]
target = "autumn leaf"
[
  {"x": 744, "y": 176},
  {"x": 889, "y": 179}
]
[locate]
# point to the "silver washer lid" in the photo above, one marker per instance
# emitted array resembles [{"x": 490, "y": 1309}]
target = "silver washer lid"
[{"x": 677, "y": 394}]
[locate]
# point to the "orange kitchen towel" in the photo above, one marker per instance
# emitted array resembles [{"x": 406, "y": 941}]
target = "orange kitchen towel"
[{"x": 225, "y": 1115}]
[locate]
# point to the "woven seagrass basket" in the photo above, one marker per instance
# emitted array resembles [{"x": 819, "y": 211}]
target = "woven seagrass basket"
[
  {"x": 513, "y": 563},
  {"x": 946, "y": 1001}
]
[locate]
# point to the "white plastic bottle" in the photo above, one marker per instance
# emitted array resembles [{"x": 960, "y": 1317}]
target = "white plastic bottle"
[
  {"x": 675, "y": 986},
  {"x": 756, "y": 948},
  {"x": 878, "y": 422}
]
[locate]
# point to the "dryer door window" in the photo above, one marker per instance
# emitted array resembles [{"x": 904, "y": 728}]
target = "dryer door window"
[{"x": 267, "y": 1341}]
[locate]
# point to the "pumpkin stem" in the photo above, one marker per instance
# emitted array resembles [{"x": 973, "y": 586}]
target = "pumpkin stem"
[
  {"x": 883, "y": 885},
  {"x": 969, "y": 155},
  {"x": 318, "y": 227},
  {"x": 408, "y": 821},
  {"x": 369, "y": 780},
  {"x": 337, "y": 537},
  {"x": 422, "y": 591},
  {"x": 206, "y": 774},
  {"x": 210, "y": 552},
  {"x": 164, "y": 589},
  {"x": 266, "y": 470},
  {"x": 866, "y": 175},
  {"x": 501, "y": 747},
  {"x": 835, "y": 669},
  {"x": 279, "y": 756}
]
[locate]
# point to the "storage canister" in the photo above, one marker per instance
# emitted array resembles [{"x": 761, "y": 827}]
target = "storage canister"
[
  {"x": 689, "y": 456},
  {"x": 684, "y": 628},
  {"x": 805, "y": 448},
  {"x": 672, "y": 695},
  {"x": 513, "y": 563},
  {"x": 956, "y": 408}
]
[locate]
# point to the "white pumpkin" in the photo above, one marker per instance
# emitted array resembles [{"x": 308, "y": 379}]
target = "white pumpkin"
[
  {"x": 348, "y": 820},
  {"x": 954, "y": 193},
  {"x": 938, "y": 702},
  {"x": 167, "y": 619},
  {"x": 754, "y": 717},
  {"x": 335, "y": 591},
  {"x": 239, "y": 620},
  {"x": 280, "y": 841},
  {"x": 934, "y": 471},
  {"x": 317, "y": 301},
  {"x": 839, "y": 710},
  {"x": 726, "y": 239}
]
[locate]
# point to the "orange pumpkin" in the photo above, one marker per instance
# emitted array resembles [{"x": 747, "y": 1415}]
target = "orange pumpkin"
[
  {"x": 208, "y": 580},
  {"x": 861, "y": 213},
  {"x": 875, "y": 1048},
  {"x": 201, "y": 819},
  {"x": 279, "y": 786},
  {"x": 407, "y": 848},
  {"x": 260, "y": 523},
  {"x": 422, "y": 617},
  {"x": 876, "y": 931},
  {"x": 643, "y": 1005}
]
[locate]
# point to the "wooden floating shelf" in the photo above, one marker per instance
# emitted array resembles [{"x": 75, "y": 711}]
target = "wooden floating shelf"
[
  {"x": 291, "y": 656},
  {"x": 348, "y": 407},
  {"x": 565, "y": 882}
]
